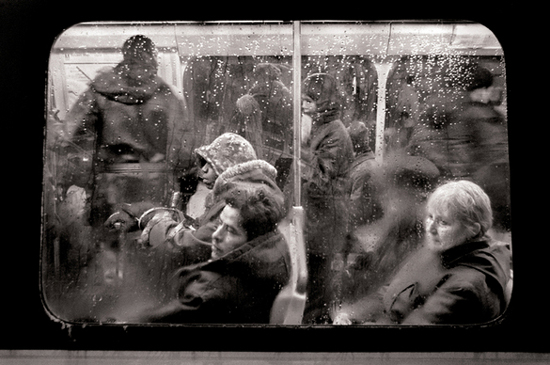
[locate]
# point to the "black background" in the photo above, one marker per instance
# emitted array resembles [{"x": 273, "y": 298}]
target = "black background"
[{"x": 28, "y": 29}]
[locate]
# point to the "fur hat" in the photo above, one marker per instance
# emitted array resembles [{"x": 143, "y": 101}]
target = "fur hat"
[{"x": 226, "y": 151}]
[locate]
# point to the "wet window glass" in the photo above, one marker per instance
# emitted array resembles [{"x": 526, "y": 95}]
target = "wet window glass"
[{"x": 278, "y": 173}]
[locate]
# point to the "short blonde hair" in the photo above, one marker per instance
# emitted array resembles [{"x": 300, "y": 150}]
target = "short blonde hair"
[{"x": 465, "y": 200}]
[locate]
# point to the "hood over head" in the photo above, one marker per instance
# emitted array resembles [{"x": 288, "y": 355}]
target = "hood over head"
[
  {"x": 134, "y": 80},
  {"x": 323, "y": 90}
]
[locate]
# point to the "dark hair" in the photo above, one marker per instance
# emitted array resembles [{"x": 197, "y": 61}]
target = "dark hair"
[{"x": 260, "y": 212}]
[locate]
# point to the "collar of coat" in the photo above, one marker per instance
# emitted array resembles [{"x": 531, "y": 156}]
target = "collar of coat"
[
  {"x": 453, "y": 254},
  {"x": 266, "y": 241}
]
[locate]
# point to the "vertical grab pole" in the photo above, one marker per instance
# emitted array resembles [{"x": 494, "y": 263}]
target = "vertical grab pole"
[
  {"x": 382, "y": 69},
  {"x": 290, "y": 303},
  {"x": 297, "y": 111}
]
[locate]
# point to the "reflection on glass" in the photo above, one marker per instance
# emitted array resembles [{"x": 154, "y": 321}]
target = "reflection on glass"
[{"x": 171, "y": 164}]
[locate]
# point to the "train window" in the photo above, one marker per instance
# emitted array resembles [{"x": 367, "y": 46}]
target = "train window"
[{"x": 277, "y": 173}]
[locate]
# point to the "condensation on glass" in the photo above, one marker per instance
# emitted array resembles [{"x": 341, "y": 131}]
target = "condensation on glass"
[{"x": 402, "y": 120}]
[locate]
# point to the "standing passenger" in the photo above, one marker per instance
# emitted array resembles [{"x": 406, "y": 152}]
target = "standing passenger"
[
  {"x": 326, "y": 158},
  {"x": 137, "y": 127},
  {"x": 363, "y": 205},
  {"x": 490, "y": 145},
  {"x": 137, "y": 130},
  {"x": 265, "y": 117}
]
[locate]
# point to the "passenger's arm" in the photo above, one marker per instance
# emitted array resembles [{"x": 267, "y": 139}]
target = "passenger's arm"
[{"x": 458, "y": 300}]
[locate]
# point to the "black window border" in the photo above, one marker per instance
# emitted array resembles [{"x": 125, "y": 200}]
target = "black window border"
[{"x": 28, "y": 326}]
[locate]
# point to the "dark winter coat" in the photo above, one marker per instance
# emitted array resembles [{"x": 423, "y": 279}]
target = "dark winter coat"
[
  {"x": 460, "y": 136},
  {"x": 327, "y": 160},
  {"x": 491, "y": 170},
  {"x": 461, "y": 285},
  {"x": 239, "y": 287},
  {"x": 363, "y": 200},
  {"x": 132, "y": 120},
  {"x": 444, "y": 139},
  {"x": 265, "y": 117}
]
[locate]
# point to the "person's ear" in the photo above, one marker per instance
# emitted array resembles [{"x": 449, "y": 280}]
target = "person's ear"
[{"x": 475, "y": 228}]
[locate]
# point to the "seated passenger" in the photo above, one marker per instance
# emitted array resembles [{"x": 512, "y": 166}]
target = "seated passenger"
[
  {"x": 459, "y": 276},
  {"x": 170, "y": 240},
  {"x": 231, "y": 158},
  {"x": 249, "y": 265},
  {"x": 398, "y": 189},
  {"x": 226, "y": 151}
]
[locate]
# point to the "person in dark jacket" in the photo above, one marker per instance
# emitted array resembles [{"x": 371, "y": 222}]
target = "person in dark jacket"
[
  {"x": 250, "y": 264},
  {"x": 327, "y": 154},
  {"x": 363, "y": 204},
  {"x": 460, "y": 275},
  {"x": 138, "y": 130},
  {"x": 264, "y": 117},
  {"x": 138, "y": 141},
  {"x": 490, "y": 144}
]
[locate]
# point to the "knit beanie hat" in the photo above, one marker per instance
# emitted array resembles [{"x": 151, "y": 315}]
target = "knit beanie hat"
[{"x": 226, "y": 151}]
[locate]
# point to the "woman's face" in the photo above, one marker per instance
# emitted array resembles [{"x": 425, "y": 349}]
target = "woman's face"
[
  {"x": 208, "y": 175},
  {"x": 309, "y": 106},
  {"x": 445, "y": 230}
]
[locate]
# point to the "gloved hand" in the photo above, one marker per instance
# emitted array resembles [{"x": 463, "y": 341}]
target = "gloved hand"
[
  {"x": 126, "y": 216},
  {"x": 121, "y": 221}
]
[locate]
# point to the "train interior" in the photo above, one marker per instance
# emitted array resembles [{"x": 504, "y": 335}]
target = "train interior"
[{"x": 389, "y": 76}]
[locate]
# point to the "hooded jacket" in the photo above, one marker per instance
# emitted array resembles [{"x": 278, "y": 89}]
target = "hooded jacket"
[
  {"x": 329, "y": 151},
  {"x": 138, "y": 132},
  {"x": 327, "y": 157},
  {"x": 136, "y": 117}
]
